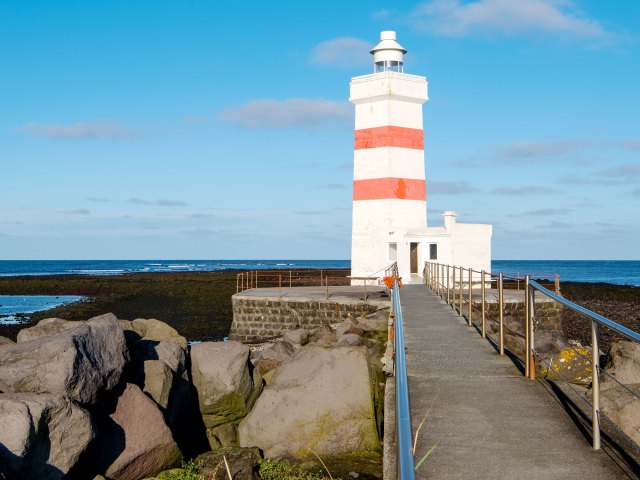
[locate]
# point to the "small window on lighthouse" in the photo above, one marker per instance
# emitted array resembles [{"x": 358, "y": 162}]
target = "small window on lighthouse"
[
  {"x": 433, "y": 251},
  {"x": 393, "y": 252}
]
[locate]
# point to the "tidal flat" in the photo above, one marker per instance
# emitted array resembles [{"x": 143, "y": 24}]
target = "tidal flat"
[{"x": 197, "y": 304}]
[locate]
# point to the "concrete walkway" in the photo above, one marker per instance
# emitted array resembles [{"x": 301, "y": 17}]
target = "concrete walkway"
[{"x": 489, "y": 421}]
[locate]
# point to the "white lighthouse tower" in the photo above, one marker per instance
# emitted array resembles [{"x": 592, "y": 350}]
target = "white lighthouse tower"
[{"x": 389, "y": 187}]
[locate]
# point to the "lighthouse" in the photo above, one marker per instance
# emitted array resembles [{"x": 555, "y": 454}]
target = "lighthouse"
[{"x": 389, "y": 221}]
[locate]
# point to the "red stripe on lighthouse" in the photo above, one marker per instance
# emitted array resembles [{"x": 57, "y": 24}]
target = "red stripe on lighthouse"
[
  {"x": 390, "y": 188},
  {"x": 389, "y": 136}
]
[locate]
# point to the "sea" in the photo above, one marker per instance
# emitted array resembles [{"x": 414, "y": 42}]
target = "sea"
[{"x": 15, "y": 308}]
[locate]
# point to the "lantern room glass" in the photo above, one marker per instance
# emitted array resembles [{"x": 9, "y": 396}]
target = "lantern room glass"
[{"x": 389, "y": 66}]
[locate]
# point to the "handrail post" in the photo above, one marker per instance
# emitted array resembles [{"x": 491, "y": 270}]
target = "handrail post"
[
  {"x": 327, "y": 291},
  {"x": 470, "y": 285},
  {"x": 256, "y": 278},
  {"x": 453, "y": 293},
  {"x": 595, "y": 382},
  {"x": 501, "y": 302},
  {"x": 365, "y": 289},
  {"x": 290, "y": 278},
  {"x": 527, "y": 322},
  {"x": 484, "y": 313},
  {"x": 320, "y": 277},
  {"x": 280, "y": 285},
  {"x": 448, "y": 289},
  {"x": 532, "y": 341},
  {"x": 460, "y": 292},
  {"x": 557, "y": 283}
]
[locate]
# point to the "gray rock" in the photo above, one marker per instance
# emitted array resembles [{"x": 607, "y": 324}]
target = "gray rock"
[
  {"x": 6, "y": 341},
  {"x": 320, "y": 332},
  {"x": 351, "y": 339},
  {"x": 223, "y": 436},
  {"x": 320, "y": 400},
  {"x": 279, "y": 351},
  {"x": 152, "y": 329},
  {"x": 242, "y": 463},
  {"x": 79, "y": 363},
  {"x": 348, "y": 324},
  {"x": 296, "y": 337},
  {"x": 624, "y": 362},
  {"x": 133, "y": 440},
  {"x": 46, "y": 327},
  {"x": 220, "y": 374},
  {"x": 377, "y": 321},
  {"x": 43, "y": 435},
  {"x": 158, "y": 379}
]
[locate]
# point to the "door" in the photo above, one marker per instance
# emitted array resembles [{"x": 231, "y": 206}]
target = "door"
[{"x": 413, "y": 257}]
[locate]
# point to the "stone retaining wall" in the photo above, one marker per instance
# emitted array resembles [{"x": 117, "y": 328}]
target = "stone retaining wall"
[{"x": 255, "y": 318}]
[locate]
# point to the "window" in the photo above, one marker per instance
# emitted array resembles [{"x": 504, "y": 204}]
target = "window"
[
  {"x": 393, "y": 252},
  {"x": 433, "y": 251}
]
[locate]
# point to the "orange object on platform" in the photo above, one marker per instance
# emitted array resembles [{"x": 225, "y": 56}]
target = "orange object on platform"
[{"x": 389, "y": 281}]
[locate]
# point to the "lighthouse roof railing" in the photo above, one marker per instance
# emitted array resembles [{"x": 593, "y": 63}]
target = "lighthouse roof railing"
[{"x": 391, "y": 74}]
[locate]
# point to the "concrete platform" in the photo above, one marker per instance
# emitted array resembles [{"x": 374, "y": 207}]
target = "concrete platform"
[
  {"x": 340, "y": 294},
  {"x": 487, "y": 420}
]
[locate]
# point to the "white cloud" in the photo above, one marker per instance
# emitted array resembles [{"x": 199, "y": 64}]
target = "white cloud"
[
  {"x": 308, "y": 113},
  {"x": 450, "y": 188},
  {"x": 528, "y": 149},
  {"x": 506, "y": 17},
  {"x": 528, "y": 190},
  {"x": 342, "y": 52},
  {"x": 80, "y": 131},
  {"x": 163, "y": 202}
]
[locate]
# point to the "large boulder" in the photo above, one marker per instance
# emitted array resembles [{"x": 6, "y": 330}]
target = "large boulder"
[
  {"x": 622, "y": 407},
  {"x": 624, "y": 362},
  {"x": 6, "y": 341},
  {"x": 279, "y": 351},
  {"x": 296, "y": 337},
  {"x": 46, "y": 327},
  {"x": 132, "y": 439},
  {"x": 572, "y": 364},
  {"x": 79, "y": 363},
  {"x": 221, "y": 377},
  {"x": 321, "y": 400},
  {"x": 41, "y": 435}
]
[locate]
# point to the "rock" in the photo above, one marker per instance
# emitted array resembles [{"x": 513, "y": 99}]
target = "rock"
[
  {"x": 622, "y": 407},
  {"x": 46, "y": 327},
  {"x": 356, "y": 330},
  {"x": 296, "y": 337},
  {"x": 158, "y": 379},
  {"x": 327, "y": 340},
  {"x": 571, "y": 366},
  {"x": 80, "y": 363},
  {"x": 221, "y": 377},
  {"x": 351, "y": 339},
  {"x": 133, "y": 440},
  {"x": 320, "y": 400},
  {"x": 223, "y": 436},
  {"x": 152, "y": 329},
  {"x": 377, "y": 321},
  {"x": 242, "y": 463},
  {"x": 320, "y": 332},
  {"x": 624, "y": 362},
  {"x": 6, "y": 341},
  {"x": 42, "y": 435},
  {"x": 344, "y": 326},
  {"x": 279, "y": 351},
  {"x": 266, "y": 365}
]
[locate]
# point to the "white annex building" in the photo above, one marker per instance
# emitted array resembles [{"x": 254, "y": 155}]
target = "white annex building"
[{"x": 389, "y": 186}]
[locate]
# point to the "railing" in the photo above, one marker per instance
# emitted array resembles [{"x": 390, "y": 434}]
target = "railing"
[
  {"x": 403, "y": 415},
  {"x": 441, "y": 279},
  {"x": 291, "y": 278}
]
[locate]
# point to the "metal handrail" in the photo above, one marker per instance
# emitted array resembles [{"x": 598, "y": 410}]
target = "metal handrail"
[
  {"x": 403, "y": 414},
  {"x": 437, "y": 277}
]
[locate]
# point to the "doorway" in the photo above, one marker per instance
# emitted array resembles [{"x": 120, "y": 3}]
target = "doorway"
[{"x": 413, "y": 257}]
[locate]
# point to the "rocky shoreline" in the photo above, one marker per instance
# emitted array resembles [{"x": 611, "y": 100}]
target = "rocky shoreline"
[{"x": 130, "y": 399}]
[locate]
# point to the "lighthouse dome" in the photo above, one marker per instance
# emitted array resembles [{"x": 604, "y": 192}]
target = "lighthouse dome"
[{"x": 388, "y": 54}]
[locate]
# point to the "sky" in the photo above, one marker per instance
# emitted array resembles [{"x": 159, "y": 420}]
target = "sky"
[{"x": 219, "y": 130}]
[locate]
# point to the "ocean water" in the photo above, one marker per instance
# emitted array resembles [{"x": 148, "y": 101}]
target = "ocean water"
[{"x": 14, "y": 308}]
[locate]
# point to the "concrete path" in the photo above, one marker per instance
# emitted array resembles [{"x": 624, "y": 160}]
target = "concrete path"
[{"x": 489, "y": 421}]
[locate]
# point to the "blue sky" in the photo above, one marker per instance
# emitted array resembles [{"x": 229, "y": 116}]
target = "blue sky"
[{"x": 201, "y": 129}]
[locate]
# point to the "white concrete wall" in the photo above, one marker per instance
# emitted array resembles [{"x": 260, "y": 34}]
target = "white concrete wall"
[{"x": 388, "y": 162}]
